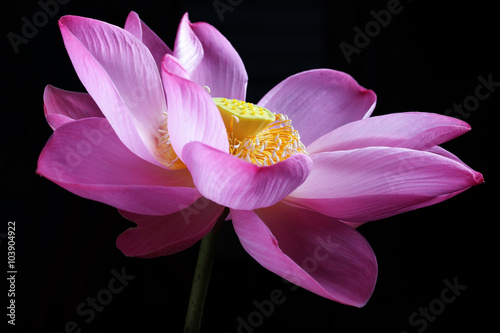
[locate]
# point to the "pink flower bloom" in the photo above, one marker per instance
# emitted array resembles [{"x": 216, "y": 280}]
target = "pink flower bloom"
[{"x": 150, "y": 140}]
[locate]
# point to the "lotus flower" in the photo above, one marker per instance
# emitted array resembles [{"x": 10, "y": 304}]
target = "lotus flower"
[{"x": 168, "y": 139}]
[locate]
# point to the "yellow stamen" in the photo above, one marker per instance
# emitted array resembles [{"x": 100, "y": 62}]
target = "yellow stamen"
[
  {"x": 165, "y": 153},
  {"x": 257, "y": 135}
]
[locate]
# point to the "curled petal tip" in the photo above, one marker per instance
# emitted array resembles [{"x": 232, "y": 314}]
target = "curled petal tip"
[{"x": 478, "y": 177}]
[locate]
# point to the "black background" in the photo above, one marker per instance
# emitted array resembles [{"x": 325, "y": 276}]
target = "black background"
[{"x": 428, "y": 58}]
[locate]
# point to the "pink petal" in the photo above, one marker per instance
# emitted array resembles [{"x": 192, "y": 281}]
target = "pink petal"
[
  {"x": 221, "y": 69},
  {"x": 319, "y": 101},
  {"x": 121, "y": 75},
  {"x": 443, "y": 152},
  {"x": 238, "y": 184},
  {"x": 141, "y": 31},
  {"x": 415, "y": 130},
  {"x": 87, "y": 158},
  {"x": 192, "y": 114},
  {"x": 172, "y": 65},
  {"x": 313, "y": 251},
  {"x": 188, "y": 48},
  {"x": 62, "y": 106},
  {"x": 157, "y": 236},
  {"x": 434, "y": 200},
  {"x": 373, "y": 183}
]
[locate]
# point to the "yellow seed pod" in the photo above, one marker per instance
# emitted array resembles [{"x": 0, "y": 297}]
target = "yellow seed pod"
[{"x": 250, "y": 119}]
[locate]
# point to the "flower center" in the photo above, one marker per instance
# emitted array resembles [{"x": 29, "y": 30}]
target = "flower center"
[{"x": 256, "y": 134}]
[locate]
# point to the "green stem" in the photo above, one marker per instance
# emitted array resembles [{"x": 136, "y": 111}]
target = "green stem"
[{"x": 201, "y": 278}]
